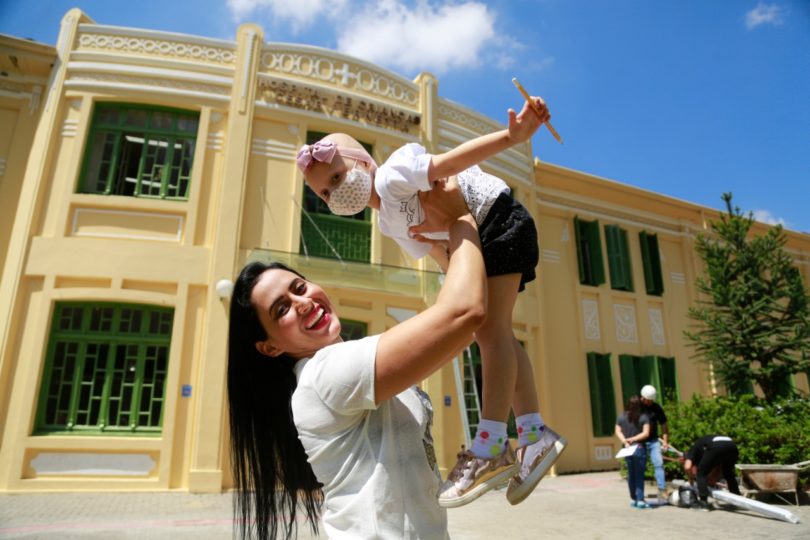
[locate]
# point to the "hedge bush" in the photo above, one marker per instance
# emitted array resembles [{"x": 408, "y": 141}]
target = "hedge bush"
[{"x": 765, "y": 433}]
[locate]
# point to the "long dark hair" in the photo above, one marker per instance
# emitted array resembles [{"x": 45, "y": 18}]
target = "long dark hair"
[
  {"x": 633, "y": 409},
  {"x": 269, "y": 465}
]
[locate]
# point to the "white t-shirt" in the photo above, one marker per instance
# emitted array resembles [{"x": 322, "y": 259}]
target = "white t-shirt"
[
  {"x": 403, "y": 175},
  {"x": 376, "y": 463}
]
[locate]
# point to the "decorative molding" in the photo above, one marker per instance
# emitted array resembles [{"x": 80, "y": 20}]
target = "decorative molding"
[
  {"x": 600, "y": 212},
  {"x": 625, "y": 319},
  {"x": 357, "y": 77},
  {"x": 2, "y": 166},
  {"x": 176, "y": 237},
  {"x": 550, "y": 255},
  {"x": 70, "y": 128},
  {"x": 565, "y": 236},
  {"x": 656, "y": 326},
  {"x": 16, "y": 90},
  {"x": 293, "y": 129},
  {"x": 129, "y": 82},
  {"x": 130, "y": 44},
  {"x": 215, "y": 141},
  {"x": 590, "y": 319},
  {"x": 273, "y": 148},
  {"x": 678, "y": 278},
  {"x": 456, "y": 115},
  {"x": 603, "y": 453},
  {"x": 92, "y": 464}
]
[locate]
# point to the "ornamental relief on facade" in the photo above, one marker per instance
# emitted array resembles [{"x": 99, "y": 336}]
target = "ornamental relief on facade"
[
  {"x": 336, "y": 105},
  {"x": 590, "y": 315},
  {"x": 334, "y": 71},
  {"x": 454, "y": 115},
  {"x": 656, "y": 326},
  {"x": 160, "y": 47},
  {"x": 625, "y": 318}
]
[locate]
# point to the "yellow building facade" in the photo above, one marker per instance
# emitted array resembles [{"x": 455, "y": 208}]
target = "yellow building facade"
[{"x": 143, "y": 169}]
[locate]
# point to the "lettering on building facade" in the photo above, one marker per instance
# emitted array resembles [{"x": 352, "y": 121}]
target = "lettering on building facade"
[{"x": 349, "y": 108}]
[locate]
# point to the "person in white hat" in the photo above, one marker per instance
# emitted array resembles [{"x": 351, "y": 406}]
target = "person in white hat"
[{"x": 654, "y": 447}]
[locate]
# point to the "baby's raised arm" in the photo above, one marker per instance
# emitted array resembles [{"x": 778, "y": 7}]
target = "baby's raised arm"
[{"x": 521, "y": 127}]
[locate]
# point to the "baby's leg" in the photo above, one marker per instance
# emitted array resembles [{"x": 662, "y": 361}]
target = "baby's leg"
[
  {"x": 496, "y": 341},
  {"x": 525, "y": 397}
]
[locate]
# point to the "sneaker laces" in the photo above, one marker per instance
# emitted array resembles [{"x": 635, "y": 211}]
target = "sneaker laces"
[{"x": 465, "y": 460}]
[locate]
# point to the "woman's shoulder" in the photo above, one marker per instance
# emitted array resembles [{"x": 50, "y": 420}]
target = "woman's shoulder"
[{"x": 336, "y": 359}]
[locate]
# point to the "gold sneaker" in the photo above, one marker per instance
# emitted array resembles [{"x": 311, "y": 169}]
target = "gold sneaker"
[
  {"x": 473, "y": 476},
  {"x": 535, "y": 460}
]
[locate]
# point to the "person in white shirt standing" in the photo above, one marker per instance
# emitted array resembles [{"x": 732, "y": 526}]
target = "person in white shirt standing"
[
  {"x": 342, "y": 173},
  {"x": 338, "y": 428}
]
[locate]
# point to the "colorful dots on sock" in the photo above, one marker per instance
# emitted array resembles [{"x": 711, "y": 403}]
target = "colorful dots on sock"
[
  {"x": 495, "y": 450},
  {"x": 484, "y": 435}
]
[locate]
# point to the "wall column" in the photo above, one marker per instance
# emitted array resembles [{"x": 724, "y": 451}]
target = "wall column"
[
  {"x": 209, "y": 424},
  {"x": 31, "y": 203}
]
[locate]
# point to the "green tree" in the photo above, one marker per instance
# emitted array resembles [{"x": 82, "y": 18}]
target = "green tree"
[{"x": 754, "y": 319}]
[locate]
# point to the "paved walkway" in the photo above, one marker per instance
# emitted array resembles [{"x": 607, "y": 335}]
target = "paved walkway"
[{"x": 592, "y": 505}]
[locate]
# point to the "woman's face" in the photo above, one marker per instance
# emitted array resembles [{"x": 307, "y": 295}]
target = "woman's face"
[{"x": 296, "y": 314}]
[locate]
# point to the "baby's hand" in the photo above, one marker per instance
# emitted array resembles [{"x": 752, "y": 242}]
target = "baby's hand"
[{"x": 523, "y": 125}]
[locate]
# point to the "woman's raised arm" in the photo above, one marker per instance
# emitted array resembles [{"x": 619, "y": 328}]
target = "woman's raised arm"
[{"x": 413, "y": 349}]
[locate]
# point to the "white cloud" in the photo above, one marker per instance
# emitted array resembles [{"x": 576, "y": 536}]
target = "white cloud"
[
  {"x": 409, "y": 35},
  {"x": 764, "y": 14},
  {"x": 423, "y": 37},
  {"x": 765, "y": 216},
  {"x": 299, "y": 13}
]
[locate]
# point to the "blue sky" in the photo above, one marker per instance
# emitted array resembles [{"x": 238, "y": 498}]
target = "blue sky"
[{"x": 688, "y": 98}]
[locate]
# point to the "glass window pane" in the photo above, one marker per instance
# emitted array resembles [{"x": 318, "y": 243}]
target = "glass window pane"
[
  {"x": 136, "y": 118},
  {"x": 110, "y": 376},
  {"x": 109, "y": 116},
  {"x": 161, "y": 120},
  {"x": 101, "y": 151},
  {"x": 131, "y": 155}
]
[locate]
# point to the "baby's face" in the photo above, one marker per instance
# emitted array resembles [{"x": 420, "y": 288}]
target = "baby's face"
[{"x": 324, "y": 178}]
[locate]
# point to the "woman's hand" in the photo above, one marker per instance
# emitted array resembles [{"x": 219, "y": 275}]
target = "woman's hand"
[{"x": 443, "y": 205}]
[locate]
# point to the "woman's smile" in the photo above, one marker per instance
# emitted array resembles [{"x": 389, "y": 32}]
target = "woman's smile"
[{"x": 318, "y": 318}]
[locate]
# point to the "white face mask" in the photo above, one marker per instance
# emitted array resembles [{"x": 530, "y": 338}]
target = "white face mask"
[{"x": 352, "y": 195}]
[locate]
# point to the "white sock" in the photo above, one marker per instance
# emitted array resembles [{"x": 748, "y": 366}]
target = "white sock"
[
  {"x": 529, "y": 427},
  {"x": 490, "y": 439}
]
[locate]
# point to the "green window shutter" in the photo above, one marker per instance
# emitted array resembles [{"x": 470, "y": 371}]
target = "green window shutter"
[
  {"x": 582, "y": 248},
  {"x": 589, "y": 252},
  {"x": 651, "y": 259},
  {"x": 621, "y": 276},
  {"x": 603, "y": 401},
  {"x": 595, "y": 242},
  {"x": 627, "y": 373},
  {"x": 648, "y": 372},
  {"x": 668, "y": 379}
]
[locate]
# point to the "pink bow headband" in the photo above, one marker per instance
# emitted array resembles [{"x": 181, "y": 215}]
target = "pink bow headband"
[{"x": 324, "y": 151}]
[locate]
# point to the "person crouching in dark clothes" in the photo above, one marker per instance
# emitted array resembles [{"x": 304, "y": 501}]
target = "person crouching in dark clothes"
[{"x": 708, "y": 458}]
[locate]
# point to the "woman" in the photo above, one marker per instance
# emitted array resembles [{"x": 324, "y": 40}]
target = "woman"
[
  {"x": 338, "y": 426},
  {"x": 633, "y": 427}
]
